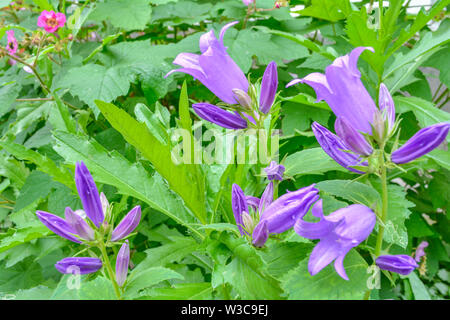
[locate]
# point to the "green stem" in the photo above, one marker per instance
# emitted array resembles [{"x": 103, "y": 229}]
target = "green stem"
[
  {"x": 111, "y": 274},
  {"x": 384, "y": 208}
]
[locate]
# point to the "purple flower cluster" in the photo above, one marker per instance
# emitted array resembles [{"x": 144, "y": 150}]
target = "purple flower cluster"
[
  {"x": 357, "y": 116},
  {"x": 79, "y": 229}
]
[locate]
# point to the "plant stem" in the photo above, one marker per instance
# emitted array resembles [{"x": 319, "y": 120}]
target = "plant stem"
[
  {"x": 110, "y": 271},
  {"x": 384, "y": 208}
]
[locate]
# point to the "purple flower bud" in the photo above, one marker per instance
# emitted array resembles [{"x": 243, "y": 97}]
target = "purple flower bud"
[
  {"x": 338, "y": 232},
  {"x": 88, "y": 194},
  {"x": 260, "y": 234},
  {"x": 421, "y": 143},
  {"x": 334, "y": 146},
  {"x": 78, "y": 265},
  {"x": 354, "y": 140},
  {"x": 57, "y": 225},
  {"x": 247, "y": 2},
  {"x": 274, "y": 171},
  {"x": 243, "y": 98},
  {"x": 79, "y": 225},
  {"x": 420, "y": 251},
  {"x": 252, "y": 202},
  {"x": 127, "y": 225},
  {"x": 122, "y": 261},
  {"x": 219, "y": 116},
  {"x": 239, "y": 205},
  {"x": 400, "y": 263},
  {"x": 284, "y": 211},
  {"x": 266, "y": 198},
  {"x": 387, "y": 105},
  {"x": 269, "y": 86}
]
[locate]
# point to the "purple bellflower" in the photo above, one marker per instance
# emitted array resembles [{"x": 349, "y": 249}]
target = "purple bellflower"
[
  {"x": 127, "y": 225},
  {"x": 215, "y": 69},
  {"x": 78, "y": 265},
  {"x": 272, "y": 216},
  {"x": 122, "y": 261},
  {"x": 401, "y": 263},
  {"x": 338, "y": 232},
  {"x": 274, "y": 171}
]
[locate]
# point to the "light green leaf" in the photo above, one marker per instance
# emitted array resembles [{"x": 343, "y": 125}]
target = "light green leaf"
[
  {"x": 418, "y": 288},
  {"x": 310, "y": 161},
  {"x": 353, "y": 191},
  {"x": 327, "y": 284},
  {"x": 182, "y": 291}
]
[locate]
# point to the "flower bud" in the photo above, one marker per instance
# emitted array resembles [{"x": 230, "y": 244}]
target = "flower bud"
[
  {"x": 400, "y": 263},
  {"x": 260, "y": 234},
  {"x": 58, "y": 225},
  {"x": 218, "y": 116},
  {"x": 424, "y": 141},
  {"x": 127, "y": 225},
  {"x": 274, "y": 171},
  {"x": 420, "y": 251},
  {"x": 239, "y": 205},
  {"x": 352, "y": 138},
  {"x": 243, "y": 98},
  {"x": 122, "y": 262},
  {"x": 78, "y": 265},
  {"x": 79, "y": 225},
  {"x": 387, "y": 106},
  {"x": 269, "y": 86},
  {"x": 247, "y": 221}
]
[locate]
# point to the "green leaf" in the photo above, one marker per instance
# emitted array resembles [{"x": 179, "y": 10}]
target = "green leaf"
[
  {"x": 8, "y": 94},
  {"x": 297, "y": 117},
  {"x": 23, "y": 275},
  {"x": 14, "y": 170},
  {"x": 103, "y": 83},
  {"x": 70, "y": 289},
  {"x": 419, "y": 290},
  {"x": 182, "y": 291},
  {"x": 353, "y": 191},
  {"x": 24, "y": 235},
  {"x": 179, "y": 176},
  {"x": 131, "y": 179},
  {"x": 327, "y": 284},
  {"x": 331, "y": 10},
  {"x": 148, "y": 278},
  {"x": 36, "y": 293},
  {"x": 37, "y": 186},
  {"x": 123, "y": 15},
  {"x": 43, "y": 163},
  {"x": 310, "y": 161}
]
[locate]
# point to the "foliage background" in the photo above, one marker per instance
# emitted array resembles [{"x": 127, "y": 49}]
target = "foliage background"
[{"x": 119, "y": 54}]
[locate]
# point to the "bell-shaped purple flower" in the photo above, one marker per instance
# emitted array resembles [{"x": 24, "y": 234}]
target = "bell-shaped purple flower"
[
  {"x": 122, "y": 261},
  {"x": 214, "y": 67},
  {"x": 79, "y": 225},
  {"x": 260, "y": 234},
  {"x": 274, "y": 171},
  {"x": 127, "y": 225},
  {"x": 354, "y": 140},
  {"x": 58, "y": 225},
  {"x": 219, "y": 116},
  {"x": 401, "y": 263},
  {"x": 239, "y": 205},
  {"x": 88, "y": 193},
  {"x": 342, "y": 89},
  {"x": 78, "y": 265},
  {"x": 424, "y": 141},
  {"x": 334, "y": 146},
  {"x": 252, "y": 202},
  {"x": 387, "y": 106},
  {"x": 284, "y": 211},
  {"x": 269, "y": 86},
  {"x": 338, "y": 232}
]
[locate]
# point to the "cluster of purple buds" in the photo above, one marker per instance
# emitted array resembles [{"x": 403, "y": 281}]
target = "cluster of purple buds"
[
  {"x": 359, "y": 123},
  {"x": 91, "y": 226},
  {"x": 215, "y": 69}
]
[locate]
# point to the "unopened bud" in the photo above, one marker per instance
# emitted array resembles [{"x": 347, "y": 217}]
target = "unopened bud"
[
  {"x": 247, "y": 220},
  {"x": 243, "y": 98},
  {"x": 379, "y": 125}
]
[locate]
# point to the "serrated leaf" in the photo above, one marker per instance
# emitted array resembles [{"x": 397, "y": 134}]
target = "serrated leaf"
[
  {"x": 310, "y": 161},
  {"x": 353, "y": 191}
]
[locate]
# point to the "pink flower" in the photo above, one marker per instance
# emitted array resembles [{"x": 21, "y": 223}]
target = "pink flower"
[
  {"x": 12, "y": 45},
  {"x": 51, "y": 21},
  {"x": 12, "y": 42}
]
